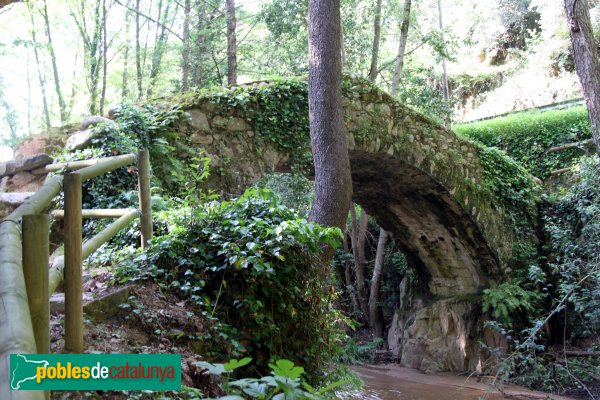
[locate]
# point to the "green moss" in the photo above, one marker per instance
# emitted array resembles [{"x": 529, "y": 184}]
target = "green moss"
[{"x": 527, "y": 136}]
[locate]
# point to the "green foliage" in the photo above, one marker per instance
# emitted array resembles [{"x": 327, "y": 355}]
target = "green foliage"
[
  {"x": 355, "y": 353},
  {"x": 294, "y": 191},
  {"x": 573, "y": 225},
  {"x": 278, "y": 113},
  {"x": 513, "y": 189},
  {"x": 285, "y": 382},
  {"x": 527, "y": 136},
  {"x": 508, "y": 300},
  {"x": 253, "y": 268}
]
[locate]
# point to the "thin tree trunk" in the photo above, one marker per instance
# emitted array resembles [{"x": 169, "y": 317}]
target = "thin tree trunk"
[
  {"x": 376, "y": 40},
  {"x": 586, "y": 60},
  {"x": 59, "y": 95},
  {"x": 39, "y": 67},
  {"x": 375, "y": 315},
  {"x": 104, "y": 57},
  {"x": 401, "y": 47},
  {"x": 343, "y": 48},
  {"x": 231, "y": 44},
  {"x": 445, "y": 71},
  {"x": 333, "y": 182},
  {"x": 348, "y": 276},
  {"x": 359, "y": 266},
  {"x": 160, "y": 42},
  {"x": 29, "y": 132},
  {"x": 138, "y": 53},
  {"x": 199, "y": 48},
  {"x": 185, "y": 55},
  {"x": 125, "y": 76}
]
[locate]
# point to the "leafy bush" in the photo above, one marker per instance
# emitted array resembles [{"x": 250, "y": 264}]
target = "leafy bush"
[
  {"x": 284, "y": 382},
  {"x": 508, "y": 301},
  {"x": 527, "y": 136},
  {"x": 253, "y": 267},
  {"x": 573, "y": 224}
]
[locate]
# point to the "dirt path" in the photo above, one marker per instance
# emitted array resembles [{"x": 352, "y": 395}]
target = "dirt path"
[{"x": 392, "y": 382}]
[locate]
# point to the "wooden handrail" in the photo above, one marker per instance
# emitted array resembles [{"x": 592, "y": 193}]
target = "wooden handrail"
[
  {"x": 93, "y": 244},
  {"x": 75, "y": 165},
  {"x": 95, "y": 213},
  {"x": 106, "y": 166},
  {"x": 16, "y": 328}
]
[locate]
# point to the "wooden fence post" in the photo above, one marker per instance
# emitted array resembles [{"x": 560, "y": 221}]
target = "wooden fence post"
[
  {"x": 73, "y": 260},
  {"x": 36, "y": 252},
  {"x": 145, "y": 196}
]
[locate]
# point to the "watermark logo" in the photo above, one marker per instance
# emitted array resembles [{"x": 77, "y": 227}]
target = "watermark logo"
[{"x": 95, "y": 371}]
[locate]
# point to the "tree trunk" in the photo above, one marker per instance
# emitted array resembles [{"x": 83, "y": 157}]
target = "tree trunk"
[
  {"x": 358, "y": 235},
  {"x": 39, "y": 67},
  {"x": 125, "y": 76},
  {"x": 375, "y": 314},
  {"x": 59, "y": 95},
  {"x": 160, "y": 43},
  {"x": 586, "y": 60},
  {"x": 401, "y": 47},
  {"x": 231, "y": 44},
  {"x": 376, "y": 39},
  {"x": 348, "y": 276},
  {"x": 445, "y": 71},
  {"x": 333, "y": 182},
  {"x": 138, "y": 51},
  {"x": 185, "y": 54},
  {"x": 104, "y": 57}
]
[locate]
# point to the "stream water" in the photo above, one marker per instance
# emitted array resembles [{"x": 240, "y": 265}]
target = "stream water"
[{"x": 392, "y": 382}]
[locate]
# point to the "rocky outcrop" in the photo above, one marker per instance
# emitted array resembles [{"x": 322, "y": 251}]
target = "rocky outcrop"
[{"x": 23, "y": 164}]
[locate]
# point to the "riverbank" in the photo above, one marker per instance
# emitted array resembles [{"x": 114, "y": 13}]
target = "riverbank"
[{"x": 392, "y": 382}]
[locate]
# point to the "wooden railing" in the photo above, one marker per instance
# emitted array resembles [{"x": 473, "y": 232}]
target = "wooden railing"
[{"x": 27, "y": 280}]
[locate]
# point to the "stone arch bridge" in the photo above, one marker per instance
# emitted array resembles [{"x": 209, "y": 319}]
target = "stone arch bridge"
[{"x": 439, "y": 195}]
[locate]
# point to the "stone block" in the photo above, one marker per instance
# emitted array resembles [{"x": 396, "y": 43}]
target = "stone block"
[
  {"x": 201, "y": 139},
  {"x": 198, "y": 120},
  {"x": 24, "y": 164}
]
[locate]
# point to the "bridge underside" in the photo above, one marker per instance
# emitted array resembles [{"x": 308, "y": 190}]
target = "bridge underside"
[{"x": 435, "y": 233}]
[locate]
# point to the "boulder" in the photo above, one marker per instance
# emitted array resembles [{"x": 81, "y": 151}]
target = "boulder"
[
  {"x": 81, "y": 140},
  {"x": 24, "y": 182},
  {"x": 29, "y": 163},
  {"x": 95, "y": 120}
]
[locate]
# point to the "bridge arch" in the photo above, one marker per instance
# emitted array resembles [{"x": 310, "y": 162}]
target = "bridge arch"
[{"x": 441, "y": 196}]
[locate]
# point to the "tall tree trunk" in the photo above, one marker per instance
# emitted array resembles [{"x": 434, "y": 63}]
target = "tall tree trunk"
[
  {"x": 375, "y": 314},
  {"x": 358, "y": 236},
  {"x": 333, "y": 182},
  {"x": 231, "y": 44},
  {"x": 401, "y": 47},
  {"x": 104, "y": 56},
  {"x": 586, "y": 60},
  {"x": 445, "y": 71},
  {"x": 199, "y": 44},
  {"x": 39, "y": 67},
  {"x": 185, "y": 54},
  {"x": 138, "y": 51},
  {"x": 59, "y": 95},
  {"x": 376, "y": 40}
]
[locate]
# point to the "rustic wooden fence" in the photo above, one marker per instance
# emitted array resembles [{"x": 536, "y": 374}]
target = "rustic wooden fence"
[{"x": 27, "y": 280}]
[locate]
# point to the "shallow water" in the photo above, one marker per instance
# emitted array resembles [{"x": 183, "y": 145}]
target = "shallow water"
[{"x": 392, "y": 382}]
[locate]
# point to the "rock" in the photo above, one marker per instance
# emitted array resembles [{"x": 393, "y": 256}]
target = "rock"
[
  {"x": 24, "y": 164},
  {"x": 395, "y": 335},
  {"x": 25, "y": 182},
  {"x": 95, "y": 120},
  {"x": 231, "y": 124},
  {"x": 10, "y": 201},
  {"x": 107, "y": 305},
  {"x": 198, "y": 120},
  {"x": 80, "y": 140},
  {"x": 201, "y": 139}
]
